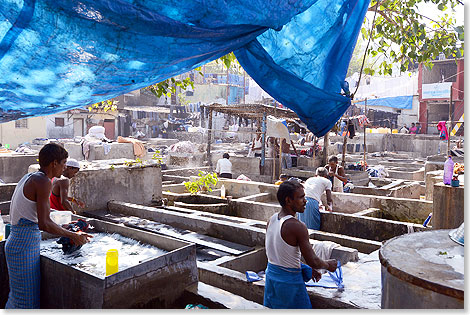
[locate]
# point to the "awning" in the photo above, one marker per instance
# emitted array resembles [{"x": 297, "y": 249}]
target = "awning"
[{"x": 401, "y": 102}]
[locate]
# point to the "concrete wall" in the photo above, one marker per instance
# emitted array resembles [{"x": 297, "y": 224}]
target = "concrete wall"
[
  {"x": 118, "y": 150},
  {"x": 14, "y": 166},
  {"x": 402, "y": 209},
  {"x": 364, "y": 227},
  {"x": 57, "y": 132},
  {"x": 448, "y": 206},
  {"x": 6, "y": 191},
  {"x": 154, "y": 283},
  {"x": 137, "y": 184},
  {"x": 432, "y": 177},
  {"x": 13, "y": 136}
]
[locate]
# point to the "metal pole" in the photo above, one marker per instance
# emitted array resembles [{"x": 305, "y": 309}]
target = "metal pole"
[
  {"x": 450, "y": 122},
  {"x": 365, "y": 113},
  {"x": 263, "y": 141},
  {"x": 345, "y": 141},
  {"x": 326, "y": 143},
  {"x": 209, "y": 139}
]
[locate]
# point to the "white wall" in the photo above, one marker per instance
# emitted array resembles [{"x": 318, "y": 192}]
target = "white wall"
[
  {"x": 65, "y": 132},
  {"x": 13, "y": 136}
]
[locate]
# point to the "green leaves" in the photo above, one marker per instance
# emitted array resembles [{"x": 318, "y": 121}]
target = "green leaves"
[
  {"x": 205, "y": 182},
  {"x": 402, "y": 35}
]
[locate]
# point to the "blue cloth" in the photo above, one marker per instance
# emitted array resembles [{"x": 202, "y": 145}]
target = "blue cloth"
[
  {"x": 285, "y": 288},
  {"x": 56, "y": 55},
  {"x": 311, "y": 215},
  {"x": 402, "y": 102},
  {"x": 331, "y": 280},
  {"x": 22, "y": 251}
]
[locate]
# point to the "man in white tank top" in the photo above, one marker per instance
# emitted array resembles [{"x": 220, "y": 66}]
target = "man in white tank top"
[
  {"x": 286, "y": 240},
  {"x": 29, "y": 213}
]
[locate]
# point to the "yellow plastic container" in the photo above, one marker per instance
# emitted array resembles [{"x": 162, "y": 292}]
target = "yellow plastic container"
[
  {"x": 112, "y": 265},
  {"x": 395, "y": 131}
]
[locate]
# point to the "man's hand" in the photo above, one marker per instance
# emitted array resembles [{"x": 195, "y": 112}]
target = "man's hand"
[
  {"x": 81, "y": 204},
  {"x": 81, "y": 238},
  {"x": 332, "y": 265},
  {"x": 316, "y": 276}
]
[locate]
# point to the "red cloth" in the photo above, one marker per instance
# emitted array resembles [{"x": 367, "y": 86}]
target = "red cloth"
[{"x": 55, "y": 202}]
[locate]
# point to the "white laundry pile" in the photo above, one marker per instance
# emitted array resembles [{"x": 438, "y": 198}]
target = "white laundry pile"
[{"x": 182, "y": 147}]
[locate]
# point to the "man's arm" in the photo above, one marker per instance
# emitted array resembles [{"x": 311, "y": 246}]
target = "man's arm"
[
  {"x": 329, "y": 200},
  {"x": 43, "y": 191},
  {"x": 217, "y": 168},
  {"x": 293, "y": 146},
  {"x": 341, "y": 175},
  {"x": 64, "y": 195},
  {"x": 306, "y": 249}
]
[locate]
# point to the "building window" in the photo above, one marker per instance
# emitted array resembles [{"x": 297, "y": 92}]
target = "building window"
[
  {"x": 59, "y": 122},
  {"x": 23, "y": 123}
]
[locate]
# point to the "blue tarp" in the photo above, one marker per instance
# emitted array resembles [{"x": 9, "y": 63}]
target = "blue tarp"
[
  {"x": 401, "y": 102},
  {"x": 56, "y": 55}
]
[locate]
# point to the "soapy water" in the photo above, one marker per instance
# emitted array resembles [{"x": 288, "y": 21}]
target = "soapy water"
[{"x": 91, "y": 257}]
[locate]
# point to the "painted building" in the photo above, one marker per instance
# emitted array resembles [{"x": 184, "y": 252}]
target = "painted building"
[
  {"x": 435, "y": 88},
  {"x": 20, "y": 131}
]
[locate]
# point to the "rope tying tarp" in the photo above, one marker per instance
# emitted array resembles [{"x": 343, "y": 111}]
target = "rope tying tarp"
[{"x": 57, "y": 55}]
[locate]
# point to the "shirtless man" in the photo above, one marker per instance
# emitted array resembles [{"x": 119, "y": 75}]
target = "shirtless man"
[{"x": 30, "y": 213}]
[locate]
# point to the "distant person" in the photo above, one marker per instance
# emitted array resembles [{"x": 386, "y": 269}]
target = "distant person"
[
  {"x": 314, "y": 188},
  {"x": 282, "y": 178},
  {"x": 30, "y": 213},
  {"x": 418, "y": 128},
  {"x": 413, "y": 129},
  {"x": 224, "y": 167},
  {"x": 59, "y": 198},
  {"x": 286, "y": 159},
  {"x": 336, "y": 174},
  {"x": 286, "y": 241},
  {"x": 257, "y": 145},
  {"x": 404, "y": 129}
]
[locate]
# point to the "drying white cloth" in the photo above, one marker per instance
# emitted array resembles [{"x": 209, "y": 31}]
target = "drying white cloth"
[
  {"x": 277, "y": 128},
  {"x": 323, "y": 249}
]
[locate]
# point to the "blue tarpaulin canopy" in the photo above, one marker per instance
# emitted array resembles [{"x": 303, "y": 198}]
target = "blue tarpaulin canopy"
[
  {"x": 401, "y": 102},
  {"x": 57, "y": 55}
]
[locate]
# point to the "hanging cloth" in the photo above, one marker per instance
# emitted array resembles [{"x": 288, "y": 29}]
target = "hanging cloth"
[
  {"x": 443, "y": 134},
  {"x": 297, "y": 51}
]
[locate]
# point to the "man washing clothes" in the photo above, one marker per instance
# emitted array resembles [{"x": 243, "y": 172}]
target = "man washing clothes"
[
  {"x": 314, "y": 188},
  {"x": 224, "y": 167},
  {"x": 29, "y": 213},
  {"x": 286, "y": 240},
  {"x": 59, "y": 198}
]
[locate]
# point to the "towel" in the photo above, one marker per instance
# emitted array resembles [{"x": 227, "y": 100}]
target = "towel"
[
  {"x": 139, "y": 149},
  {"x": 285, "y": 288},
  {"x": 22, "y": 252}
]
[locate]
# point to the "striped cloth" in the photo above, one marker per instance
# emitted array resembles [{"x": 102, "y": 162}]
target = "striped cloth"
[{"x": 22, "y": 251}]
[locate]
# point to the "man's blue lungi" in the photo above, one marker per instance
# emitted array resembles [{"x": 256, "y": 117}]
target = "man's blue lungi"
[
  {"x": 285, "y": 288},
  {"x": 311, "y": 215},
  {"x": 22, "y": 251}
]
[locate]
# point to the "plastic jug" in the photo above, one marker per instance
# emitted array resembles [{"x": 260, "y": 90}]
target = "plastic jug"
[
  {"x": 448, "y": 171},
  {"x": 112, "y": 265},
  {"x": 222, "y": 191}
]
